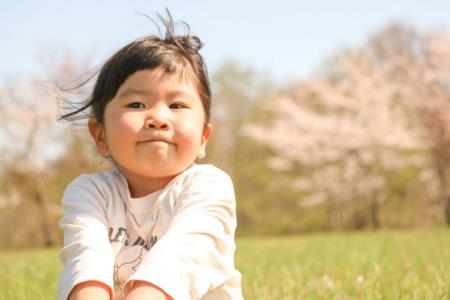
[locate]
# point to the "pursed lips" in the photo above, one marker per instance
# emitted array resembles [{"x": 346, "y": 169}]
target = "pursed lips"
[{"x": 155, "y": 140}]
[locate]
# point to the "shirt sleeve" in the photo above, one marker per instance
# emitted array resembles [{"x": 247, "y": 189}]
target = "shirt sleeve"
[
  {"x": 196, "y": 254},
  {"x": 87, "y": 254}
]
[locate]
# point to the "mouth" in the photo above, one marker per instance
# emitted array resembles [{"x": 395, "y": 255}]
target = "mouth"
[{"x": 155, "y": 141}]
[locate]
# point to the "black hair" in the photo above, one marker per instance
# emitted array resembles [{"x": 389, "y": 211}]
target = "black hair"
[{"x": 173, "y": 53}]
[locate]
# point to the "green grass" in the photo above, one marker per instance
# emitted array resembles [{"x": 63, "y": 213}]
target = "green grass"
[
  {"x": 363, "y": 265},
  {"x": 29, "y": 274}
]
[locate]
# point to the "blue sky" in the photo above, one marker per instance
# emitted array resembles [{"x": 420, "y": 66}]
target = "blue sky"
[{"x": 286, "y": 38}]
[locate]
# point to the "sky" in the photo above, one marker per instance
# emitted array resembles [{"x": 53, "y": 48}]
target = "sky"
[{"x": 287, "y": 39}]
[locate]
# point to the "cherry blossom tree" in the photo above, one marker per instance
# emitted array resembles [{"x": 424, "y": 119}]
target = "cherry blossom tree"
[
  {"x": 30, "y": 140},
  {"x": 361, "y": 118},
  {"x": 27, "y": 117},
  {"x": 421, "y": 61}
]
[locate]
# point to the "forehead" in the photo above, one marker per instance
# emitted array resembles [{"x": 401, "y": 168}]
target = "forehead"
[{"x": 156, "y": 79}]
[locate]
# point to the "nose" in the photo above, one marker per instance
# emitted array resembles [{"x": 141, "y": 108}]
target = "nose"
[{"x": 156, "y": 123}]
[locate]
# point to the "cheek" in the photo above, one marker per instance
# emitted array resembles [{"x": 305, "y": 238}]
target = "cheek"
[
  {"x": 127, "y": 124},
  {"x": 123, "y": 127},
  {"x": 190, "y": 136}
]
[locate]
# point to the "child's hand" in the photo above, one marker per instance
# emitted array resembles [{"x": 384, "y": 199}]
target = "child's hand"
[
  {"x": 90, "y": 290},
  {"x": 146, "y": 290},
  {"x": 117, "y": 297}
]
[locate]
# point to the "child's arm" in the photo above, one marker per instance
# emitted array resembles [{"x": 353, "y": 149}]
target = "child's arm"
[
  {"x": 87, "y": 255},
  {"x": 196, "y": 254}
]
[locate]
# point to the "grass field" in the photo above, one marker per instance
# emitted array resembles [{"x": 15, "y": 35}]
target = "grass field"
[{"x": 363, "y": 265}]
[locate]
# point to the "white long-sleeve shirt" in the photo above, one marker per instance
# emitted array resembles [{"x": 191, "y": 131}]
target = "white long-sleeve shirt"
[{"x": 180, "y": 238}]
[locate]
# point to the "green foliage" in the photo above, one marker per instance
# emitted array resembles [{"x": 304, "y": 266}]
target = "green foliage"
[
  {"x": 362, "y": 265},
  {"x": 79, "y": 158},
  {"x": 239, "y": 93}
]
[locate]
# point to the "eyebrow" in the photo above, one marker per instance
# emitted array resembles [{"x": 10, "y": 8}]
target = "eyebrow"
[{"x": 177, "y": 93}]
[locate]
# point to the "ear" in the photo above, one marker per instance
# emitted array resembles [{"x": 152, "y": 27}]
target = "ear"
[
  {"x": 206, "y": 133},
  {"x": 205, "y": 136},
  {"x": 97, "y": 132}
]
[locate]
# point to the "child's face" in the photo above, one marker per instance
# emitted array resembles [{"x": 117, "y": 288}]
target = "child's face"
[{"x": 155, "y": 125}]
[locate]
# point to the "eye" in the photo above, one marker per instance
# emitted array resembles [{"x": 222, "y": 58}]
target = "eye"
[
  {"x": 136, "y": 105},
  {"x": 177, "y": 105}
]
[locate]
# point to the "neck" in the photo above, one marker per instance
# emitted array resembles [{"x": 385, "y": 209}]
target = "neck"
[{"x": 141, "y": 186}]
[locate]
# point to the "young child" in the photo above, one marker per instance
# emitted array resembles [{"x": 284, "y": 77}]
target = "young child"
[{"x": 156, "y": 226}]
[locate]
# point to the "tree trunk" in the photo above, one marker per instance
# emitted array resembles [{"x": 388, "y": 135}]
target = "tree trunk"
[
  {"x": 329, "y": 217},
  {"x": 45, "y": 220},
  {"x": 375, "y": 211},
  {"x": 447, "y": 210},
  {"x": 445, "y": 190}
]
